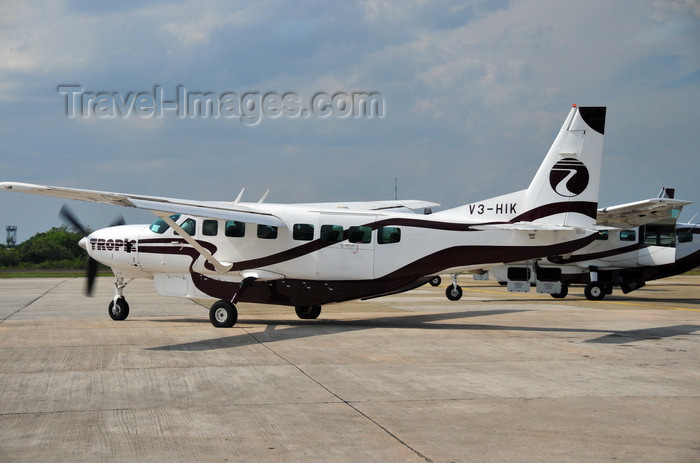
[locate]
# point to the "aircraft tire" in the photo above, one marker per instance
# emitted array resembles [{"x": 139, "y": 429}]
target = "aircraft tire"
[
  {"x": 223, "y": 314},
  {"x": 308, "y": 312},
  {"x": 594, "y": 291},
  {"x": 561, "y": 294},
  {"x": 435, "y": 281},
  {"x": 119, "y": 311},
  {"x": 454, "y": 293}
]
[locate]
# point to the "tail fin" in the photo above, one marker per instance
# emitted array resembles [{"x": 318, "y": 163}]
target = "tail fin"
[{"x": 564, "y": 190}]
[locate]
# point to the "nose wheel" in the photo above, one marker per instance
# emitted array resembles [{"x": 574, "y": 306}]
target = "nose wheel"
[
  {"x": 454, "y": 291},
  {"x": 118, "y": 307}
]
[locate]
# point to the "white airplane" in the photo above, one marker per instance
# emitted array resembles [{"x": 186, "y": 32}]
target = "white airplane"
[
  {"x": 641, "y": 241},
  {"x": 306, "y": 255}
]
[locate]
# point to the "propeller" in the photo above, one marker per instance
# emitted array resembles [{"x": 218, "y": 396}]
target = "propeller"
[{"x": 68, "y": 216}]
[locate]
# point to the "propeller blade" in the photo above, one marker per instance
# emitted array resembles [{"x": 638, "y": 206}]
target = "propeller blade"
[
  {"x": 67, "y": 215},
  {"x": 118, "y": 221},
  {"x": 91, "y": 274}
]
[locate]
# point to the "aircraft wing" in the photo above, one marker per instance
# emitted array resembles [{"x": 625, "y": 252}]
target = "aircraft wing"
[
  {"x": 407, "y": 205},
  {"x": 640, "y": 212},
  {"x": 218, "y": 210}
]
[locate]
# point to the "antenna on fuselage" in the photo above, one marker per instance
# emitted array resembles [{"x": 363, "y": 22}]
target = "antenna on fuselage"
[
  {"x": 264, "y": 196},
  {"x": 240, "y": 195}
]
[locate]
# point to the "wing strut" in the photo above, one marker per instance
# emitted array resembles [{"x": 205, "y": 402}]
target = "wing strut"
[{"x": 221, "y": 267}]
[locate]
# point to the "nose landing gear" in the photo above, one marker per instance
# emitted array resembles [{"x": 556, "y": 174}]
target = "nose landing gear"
[
  {"x": 454, "y": 291},
  {"x": 118, "y": 307}
]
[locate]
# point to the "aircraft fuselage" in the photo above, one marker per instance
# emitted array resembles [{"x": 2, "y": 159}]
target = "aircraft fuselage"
[{"x": 319, "y": 257}]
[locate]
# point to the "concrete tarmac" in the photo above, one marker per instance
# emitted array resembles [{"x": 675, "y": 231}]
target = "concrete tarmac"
[{"x": 496, "y": 376}]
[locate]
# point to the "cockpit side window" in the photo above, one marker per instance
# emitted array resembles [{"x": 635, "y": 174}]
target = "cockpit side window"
[
  {"x": 387, "y": 235},
  {"x": 160, "y": 227},
  {"x": 660, "y": 235},
  {"x": 685, "y": 236}
]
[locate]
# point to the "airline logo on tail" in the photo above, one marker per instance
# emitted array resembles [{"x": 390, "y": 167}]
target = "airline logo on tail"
[{"x": 569, "y": 177}]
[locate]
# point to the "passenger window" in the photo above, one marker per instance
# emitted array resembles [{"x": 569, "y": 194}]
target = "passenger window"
[
  {"x": 267, "y": 232},
  {"x": 628, "y": 235},
  {"x": 234, "y": 229},
  {"x": 160, "y": 227},
  {"x": 387, "y": 235},
  {"x": 210, "y": 227},
  {"x": 602, "y": 235},
  {"x": 303, "y": 232},
  {"x": 189, "y": 226},
  {"x": 331, "y": 233},
  {"x": 360, "y": 234}
]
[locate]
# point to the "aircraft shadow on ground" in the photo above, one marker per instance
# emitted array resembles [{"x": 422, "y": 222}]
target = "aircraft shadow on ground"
[
  {"x": 659, "y": 332},
  {"x": 282, "y": 330}
]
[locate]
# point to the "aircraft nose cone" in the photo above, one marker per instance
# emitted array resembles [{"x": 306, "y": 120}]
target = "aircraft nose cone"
[{"x": 83, "y": 243}]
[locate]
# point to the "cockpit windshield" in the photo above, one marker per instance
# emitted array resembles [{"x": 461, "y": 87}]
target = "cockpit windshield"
[{"x": 160, "y": 227}]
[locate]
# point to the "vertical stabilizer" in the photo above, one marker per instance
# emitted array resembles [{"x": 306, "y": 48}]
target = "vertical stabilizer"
[{"x": 565, "y": 189}]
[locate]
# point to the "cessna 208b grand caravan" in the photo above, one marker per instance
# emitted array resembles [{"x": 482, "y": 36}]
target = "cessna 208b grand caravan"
[{"x": 307, "y": 255}]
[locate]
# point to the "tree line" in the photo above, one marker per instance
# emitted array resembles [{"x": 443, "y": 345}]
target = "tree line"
[{"x": 54, "y": 249}]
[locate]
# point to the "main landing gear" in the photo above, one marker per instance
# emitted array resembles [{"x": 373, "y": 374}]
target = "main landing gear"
[
  {"x": 308, "y": 312},
  {"x": 595, "y": 291},
  {"x": 118, "y": 307},
  {"x": 223, "y": 314},
  {"x": 561, "y": 294}
]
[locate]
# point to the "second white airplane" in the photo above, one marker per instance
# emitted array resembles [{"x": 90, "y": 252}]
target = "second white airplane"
[{"x": 307, "y": 255}]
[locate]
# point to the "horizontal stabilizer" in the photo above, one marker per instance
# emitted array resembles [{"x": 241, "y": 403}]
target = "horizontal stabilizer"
[
  {"x": 641, "y": 212},
  {"x": 529, "y": 226}
]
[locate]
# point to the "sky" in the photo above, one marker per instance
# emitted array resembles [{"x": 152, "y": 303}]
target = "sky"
[{"x": 467, "y": 98}]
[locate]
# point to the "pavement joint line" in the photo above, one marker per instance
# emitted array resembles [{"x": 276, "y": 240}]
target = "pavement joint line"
[
  {"x": 353, "y": 407},
  {"x": 33, "y": 300}
]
